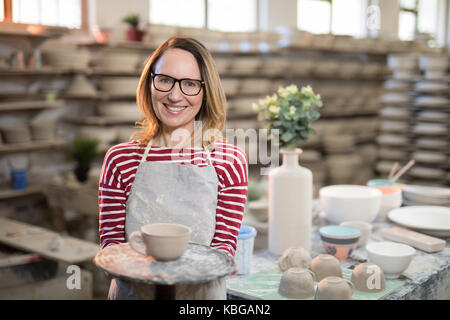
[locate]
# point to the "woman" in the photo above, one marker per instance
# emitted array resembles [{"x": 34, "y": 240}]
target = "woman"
[{"x": 150, "y": 179}]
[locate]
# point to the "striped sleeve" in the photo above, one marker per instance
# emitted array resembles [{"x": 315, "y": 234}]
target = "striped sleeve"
[
  {"x": 112, "y": 200},
  {"x": 231, "y": 166}
]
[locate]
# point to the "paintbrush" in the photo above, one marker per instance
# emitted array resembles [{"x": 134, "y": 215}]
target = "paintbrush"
[
  {"x": 402, "y": 171},
  {"x": 391, "y": 173}
]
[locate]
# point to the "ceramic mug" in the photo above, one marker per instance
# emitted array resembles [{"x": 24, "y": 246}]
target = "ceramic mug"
[
  {"x": 334, "y": 288},
  {"x": 297, "y": 283},
  {"x": 163, "y": 241},
  {"x": 368, "y": 277},
  {"x": 325, "y": 265}
]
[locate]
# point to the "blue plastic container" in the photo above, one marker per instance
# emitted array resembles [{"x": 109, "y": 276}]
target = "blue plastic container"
[
  {"x": 244, "y": 250},
  {"x": 19, "y": 179}
]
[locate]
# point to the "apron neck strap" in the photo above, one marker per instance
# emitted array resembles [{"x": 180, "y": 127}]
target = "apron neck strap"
[
  {"x": 147, "y": 149},
  {"x": 149, "y": 145},
  {"x": 208, "y": 154}
]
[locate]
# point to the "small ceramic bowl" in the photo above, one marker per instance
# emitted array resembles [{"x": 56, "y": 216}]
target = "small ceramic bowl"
[
  {"x": 325, "y": 265},
  {"x": 297, "y": 283},
  {"x": 294, "y": 257},
  {"x": 334, "y": 288},
  {"x": 339, "y": 241},
  {"x": 368, "y": 277},
  {"x": 365, "y": 229},
  {"x": 392, "y": 257}
]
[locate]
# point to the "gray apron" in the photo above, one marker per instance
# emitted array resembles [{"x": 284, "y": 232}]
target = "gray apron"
[{"x": 173, "y": 193}]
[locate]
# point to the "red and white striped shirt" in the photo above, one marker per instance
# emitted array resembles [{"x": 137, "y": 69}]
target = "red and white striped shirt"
[{"x": 119, "y": 169}]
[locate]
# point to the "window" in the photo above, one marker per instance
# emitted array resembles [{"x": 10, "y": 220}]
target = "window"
[
  {"x": 232, "y": 15},
  {"x": 330, "y": 16},
  {"x": 346, "y": 17},
  {"x": 180, "y": 13},
  {"x": 2, "y": 11},
  {"x": 314, "y": 16},
  {"x": 63, "y": 13},
  {"x": 418, "y": 17},
  {"x": 223, "y": 15}
]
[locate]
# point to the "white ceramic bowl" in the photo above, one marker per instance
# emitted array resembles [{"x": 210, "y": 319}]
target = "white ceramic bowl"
[
  {"x": 350, "y": 202},
  {"x": 392, "y": 257}
]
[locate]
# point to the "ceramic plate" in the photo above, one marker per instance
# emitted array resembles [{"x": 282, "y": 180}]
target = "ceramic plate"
[
  {"x": 426, "y": 191},
  {"x": 427, "y": 173},
  {"x": 433, "y": 220},
  {"x": 423, "y": 201},
  {"x": 430, "y": 129},
  {"x": 434, "y": 116},
  {"x": 432, "y": 101},
  {"x": 436, "y": 144}
]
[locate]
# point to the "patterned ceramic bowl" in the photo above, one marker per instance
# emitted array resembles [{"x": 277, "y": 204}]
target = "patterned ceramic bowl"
[{"x": 339, "y": 241}]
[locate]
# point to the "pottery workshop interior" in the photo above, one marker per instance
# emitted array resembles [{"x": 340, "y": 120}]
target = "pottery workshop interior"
[{"x": 336, "y": 112}]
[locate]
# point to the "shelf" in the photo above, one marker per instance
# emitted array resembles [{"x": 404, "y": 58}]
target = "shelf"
[
  {"x": 101, "y": 96},
  {"x": 44, "y": 71},
  {"x": 6, "y": 194},
  {"x": 295, "y": 48},
  {"x": 31, "y": 146},
  {"x": 98, "y": 120},
  {"x": 30, "y": 105}
]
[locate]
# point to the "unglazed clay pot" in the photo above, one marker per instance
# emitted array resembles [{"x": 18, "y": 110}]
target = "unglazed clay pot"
[
  {"x": 326, "y": 265},
  {"x": 368, "y": 277},
  {"x": 294, "y": 257},
  {"x": 163, "y": 241},
  {"x": 334, "y": 288},
  {"x": 297, "y": 283}
]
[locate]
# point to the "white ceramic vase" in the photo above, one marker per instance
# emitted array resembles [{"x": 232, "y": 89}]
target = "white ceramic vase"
[{"x": 290, "y": 194}]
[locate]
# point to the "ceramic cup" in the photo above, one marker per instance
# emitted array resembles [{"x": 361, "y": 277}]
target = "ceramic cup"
[
  {"x": 364, "y": 227},
  {"x": 334, "y": 288},
  {"x": 368, "y": 277},
  {"x": 294, "y": 257},
  {"x": 163, "y": 241},
  {"x": 325, "y": 265},
  {"x": 339, "y": 241},
  {"x": 391, "y": 196},
  {"x": 297, "y": 283}
]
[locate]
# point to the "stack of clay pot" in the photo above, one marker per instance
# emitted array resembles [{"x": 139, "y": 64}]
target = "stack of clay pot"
[
  {"x": 395, "y": 116},
  {"x": 28, "y": 132},
  {"x": 430, "y": 127}
]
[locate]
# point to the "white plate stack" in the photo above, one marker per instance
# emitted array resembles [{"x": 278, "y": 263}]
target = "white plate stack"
[
  {"x": 416, "y": 195},
  {"x": 430, "y": 129},
  {"x": 394, "y": 138}
]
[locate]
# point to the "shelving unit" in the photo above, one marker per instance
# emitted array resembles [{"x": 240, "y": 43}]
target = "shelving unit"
[{"x": 27, "y": 103}]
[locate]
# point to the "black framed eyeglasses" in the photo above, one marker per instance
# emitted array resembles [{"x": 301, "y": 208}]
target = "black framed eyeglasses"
[{"x": 165, "y": 83}]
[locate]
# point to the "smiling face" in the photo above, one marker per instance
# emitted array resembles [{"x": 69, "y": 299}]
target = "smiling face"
[{"x": 173, "y": 108}]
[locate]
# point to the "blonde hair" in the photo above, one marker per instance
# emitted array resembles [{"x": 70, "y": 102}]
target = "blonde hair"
[{"x": 212, "y": 113}]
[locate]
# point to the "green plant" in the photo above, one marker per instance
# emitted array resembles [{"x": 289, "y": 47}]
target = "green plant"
[
  {"x": 291, "y": 111},
  {"x": 255, "y": 190},
  {"x": 132, "y": 20},
  {"x": 84, "y": 150}
]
